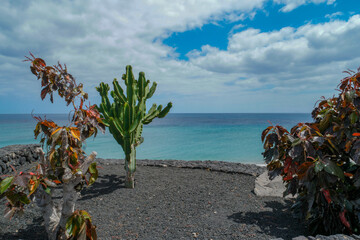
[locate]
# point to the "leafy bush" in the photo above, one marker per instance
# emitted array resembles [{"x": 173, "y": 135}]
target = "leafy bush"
[
  {"x": 320, "y": 161},
  {"x": 64, "y": 165}
]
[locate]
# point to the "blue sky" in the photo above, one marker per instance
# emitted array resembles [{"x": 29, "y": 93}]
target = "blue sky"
[{"x": 206, "y": 56}]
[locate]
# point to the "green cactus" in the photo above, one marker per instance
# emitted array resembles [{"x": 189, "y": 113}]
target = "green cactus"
[{"x": 127, "y": 114}]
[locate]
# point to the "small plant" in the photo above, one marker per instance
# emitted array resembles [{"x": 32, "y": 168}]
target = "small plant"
[
  {"x": 126, "y": 115},
  {"x": 320, "y": 161},
  {"x": 64, "y": 165}
]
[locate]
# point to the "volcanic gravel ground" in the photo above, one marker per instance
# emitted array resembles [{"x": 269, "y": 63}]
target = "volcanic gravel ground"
[{"x": 171, "y": 203}]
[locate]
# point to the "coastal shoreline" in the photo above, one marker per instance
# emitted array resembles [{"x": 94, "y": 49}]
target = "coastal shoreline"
[
  {"x": 16, "y": 155},
  {"x": 220, "y": 166}
]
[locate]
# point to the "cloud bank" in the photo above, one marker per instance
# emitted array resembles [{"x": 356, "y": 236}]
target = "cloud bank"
[{"x": 284, "y": 70}]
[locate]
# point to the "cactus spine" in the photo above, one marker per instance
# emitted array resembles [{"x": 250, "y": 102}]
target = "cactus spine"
[{"x": 127, "y": 114}]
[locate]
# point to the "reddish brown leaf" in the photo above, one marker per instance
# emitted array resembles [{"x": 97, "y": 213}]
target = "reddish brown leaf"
[
  {"x": 326, "y": 194},
  {"x": 49, "y": 124},
  {"x": 265, "y": 132},
  {"x": 348, "y": 146},
  {"x": 303, "y": 168},
  {"x": 348, "y": 174},
  {"x": 344, "y": 220},
  {"x": 40, "y": 62},
  {"x": 44, "y": 91}
]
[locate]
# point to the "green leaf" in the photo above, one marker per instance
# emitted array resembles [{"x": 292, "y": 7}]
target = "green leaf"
[
  {"x": 5, "y": 184},
  {"x": 94, "y": 173},
  {"x": 334, "y": 169},
  {"x": 348, "y": 205},
  {"x": 319, "y": 166},
  {"x": 85, "y": 215},
  {"x": 24, "y": 199},
  {"x": 70, "y": 225},
  {"x": 353, "y": 117},
  {"x": 79, "y": 221},
  {"x": 48, "y": 190},
  {"x": 296, "y": 142}
]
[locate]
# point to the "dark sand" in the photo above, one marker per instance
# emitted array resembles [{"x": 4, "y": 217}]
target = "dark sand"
[{"x": 172, "y": 203}]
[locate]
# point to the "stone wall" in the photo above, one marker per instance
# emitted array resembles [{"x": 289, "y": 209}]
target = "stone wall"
[{"x": 17, "y": 155}]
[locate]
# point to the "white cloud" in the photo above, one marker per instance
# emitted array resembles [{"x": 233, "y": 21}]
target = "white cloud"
[
  {"x": 292, "y": 4},
  {"x": 314, "y": 55},
  {"x": 97, "y": 39},
  {"x": 333, "y": 15}
]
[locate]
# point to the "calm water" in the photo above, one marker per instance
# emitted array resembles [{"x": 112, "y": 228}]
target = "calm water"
[{"x": 226, "y": 137}]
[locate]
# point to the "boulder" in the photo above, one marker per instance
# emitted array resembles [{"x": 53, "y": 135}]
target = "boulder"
[{"x": 270, "y": 188}]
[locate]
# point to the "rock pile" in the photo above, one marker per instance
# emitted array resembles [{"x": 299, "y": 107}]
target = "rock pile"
[{"x": 17, "y": 155}]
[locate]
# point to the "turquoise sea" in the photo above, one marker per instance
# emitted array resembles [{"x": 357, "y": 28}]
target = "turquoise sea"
[{"x": 233, "y": 137}]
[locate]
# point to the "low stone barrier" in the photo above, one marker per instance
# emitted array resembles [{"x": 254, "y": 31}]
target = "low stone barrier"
[
  {"x": 220, "y": 166},
  {"x": 17, "y": 155}
]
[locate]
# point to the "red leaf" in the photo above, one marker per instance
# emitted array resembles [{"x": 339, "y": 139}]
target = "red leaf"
[
  {"x": 303, "y": 168},
  {"x": 288, "y": 162},
  {"x": 39, "y": 61},
  {"x": 348, "y": 146},
  {"x": 49, "y": 124},
  {"x": 350, "y": 175},
  {"x": 356, "y": 134},
  {"x": 344, "y": 220},
  {"x": 44, "y": 92},
  {"x": 326, "y": 195},
  {"x": 265, "y": 132}
]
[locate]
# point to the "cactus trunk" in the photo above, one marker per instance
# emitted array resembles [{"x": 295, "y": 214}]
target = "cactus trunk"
[{"x": 130, "y": 167}]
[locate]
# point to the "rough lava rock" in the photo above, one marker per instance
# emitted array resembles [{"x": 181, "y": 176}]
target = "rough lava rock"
[{"x": 17, "y": 155}]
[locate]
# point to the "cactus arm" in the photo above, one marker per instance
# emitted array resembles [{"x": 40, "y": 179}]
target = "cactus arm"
[
  {"x": 165, "y": 111},
  {"x": 116, "y": 131},
  {"x": 130, "y": 90},
  {"x": 152, "y": 90},
  {"x": 147, "y": 89},
  {"x": 118, "y": 125},
  {"x": 136, "y": 123},
  {"x": 148, "y": 119},
  {"x": 119, "y": 91},
  {"x": 151, "y": 110},
  {"x": 127, "y": 119},
  {"x": 142, "y": 85},
  {"x": 139, "y": 139},
  {"x": 118, "y": 110},
  {"x": 103, "y": 89}
]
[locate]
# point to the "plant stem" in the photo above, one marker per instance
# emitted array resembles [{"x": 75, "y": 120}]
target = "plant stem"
[{"x": 130, "y": 167}]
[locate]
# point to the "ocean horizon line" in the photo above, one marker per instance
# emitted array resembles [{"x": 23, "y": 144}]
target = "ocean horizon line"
[{"x": 230, "y": 137}]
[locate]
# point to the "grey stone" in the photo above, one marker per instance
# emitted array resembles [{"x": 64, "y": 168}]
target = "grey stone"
[
  {"x": 2, "y": 166},
  {"x": 5, "y": 159},
  {"x": 266, "y": 187},
  {"x": 300, "y": 238},
  {"x": 22, "y": 160},
  {"x": 16, "y": 155}
]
